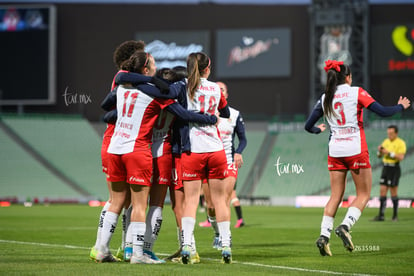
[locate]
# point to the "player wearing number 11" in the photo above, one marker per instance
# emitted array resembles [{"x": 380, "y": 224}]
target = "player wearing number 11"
[{"x": 342, "y": 106}]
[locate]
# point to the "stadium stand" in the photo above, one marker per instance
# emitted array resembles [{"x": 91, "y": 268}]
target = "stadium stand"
[
  {"x": 69, "y": 145},
  {"x": 23, "y": 176},
  {"x": 255, "y": 138}
]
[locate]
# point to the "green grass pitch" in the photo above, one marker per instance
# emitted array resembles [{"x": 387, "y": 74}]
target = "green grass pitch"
[{"x": 55, "y": 240}]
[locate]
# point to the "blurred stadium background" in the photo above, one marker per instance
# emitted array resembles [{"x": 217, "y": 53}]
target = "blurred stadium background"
[{"x": 55, "y": 74}]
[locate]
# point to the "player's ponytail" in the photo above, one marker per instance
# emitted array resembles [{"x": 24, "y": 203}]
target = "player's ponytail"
[
  {"x": 196, "y": 63},
  {"x": 331, "y": 83},
  {"x": 336, "y": 75}
]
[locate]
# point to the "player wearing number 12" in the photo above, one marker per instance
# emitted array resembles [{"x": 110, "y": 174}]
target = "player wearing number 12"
[
  {"x": 342, "y": 105},
  {"x": 204, "y": 157}
]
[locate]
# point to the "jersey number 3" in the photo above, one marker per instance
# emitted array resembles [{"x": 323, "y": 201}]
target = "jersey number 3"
[{"x": 340, "y": 108}]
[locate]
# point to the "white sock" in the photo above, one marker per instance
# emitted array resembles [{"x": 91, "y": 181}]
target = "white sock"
[
  {"x": 327, "y": 226},
  {"x": 138, "y": 232},
  {"x": 352, "y": 216},
  {"x": 213, "y": 222},
  {"x": 187, "y": 223},
  {"x": 128, "y": 234},
  {"x": 100, "y": 224},
  {"x": 109, "y": 225},
  {"x": 154, "y": 222},
  {"x": 225, "y": 234}
]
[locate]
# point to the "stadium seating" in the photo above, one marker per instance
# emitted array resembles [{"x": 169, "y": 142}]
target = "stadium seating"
[
  {"x": 22, "y": 176},
  {"x": 69, "y": 144}
]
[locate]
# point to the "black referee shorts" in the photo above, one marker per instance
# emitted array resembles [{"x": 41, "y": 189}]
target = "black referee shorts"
[{"x": 390, "y": 175}]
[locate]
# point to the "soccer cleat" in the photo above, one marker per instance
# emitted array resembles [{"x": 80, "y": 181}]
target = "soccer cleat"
[
  {"x": 226, "y": 255},
  {"x": 205, "y": 224},
  {"x": 143, "y": 259},
  {"x": 153, "y": 256},
  {"x": 92, "y": 253},
  {"x": 102, "y": 257},
  {"x": 217, "y": 242},
  {"x": 194, "y": 259},
  {"x": 395, "y": 218},
  {"x": 120, "y": 253},
  {"x": 127, "y": 253},
  {"x": 185, "y": 254},
  {"x": 378, "y": 218},
  {"x": 323, "y": 244},
  {"x": 343, "y": 232},
  {"x": 240, "y": 223}
]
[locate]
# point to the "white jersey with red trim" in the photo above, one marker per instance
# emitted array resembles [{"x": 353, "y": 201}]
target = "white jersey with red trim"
[
  {"x": 347, "y": 130},
  {"x": 161, "y": 137},
  {"x": 226, "y": 128},
  {"x": 207, "y": 100},
  {"x": 137, "y": 114}
]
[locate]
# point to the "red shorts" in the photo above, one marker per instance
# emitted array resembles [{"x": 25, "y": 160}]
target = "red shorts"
[
  {"x": 105, "y": 154},
  {"x": 177, "y": 172},
  {"x": 210, "y": 165},
  {"x": 134, "y": 168},
  {"x": 232, "y": 170},
  {"x": 359, "y": 161},
  {"x": 162, "y": 167}
]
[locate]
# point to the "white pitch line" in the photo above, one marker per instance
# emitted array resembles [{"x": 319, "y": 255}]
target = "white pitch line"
[{"x": 209, "y": 259}]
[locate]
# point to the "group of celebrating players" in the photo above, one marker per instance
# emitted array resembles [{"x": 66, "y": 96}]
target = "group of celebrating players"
[
  {"x": 163, "y": 133},
  {"x": 175, "y": 130}
]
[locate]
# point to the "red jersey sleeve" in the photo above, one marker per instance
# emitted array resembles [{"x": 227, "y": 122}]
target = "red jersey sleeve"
[
  {"x": 164, "y": 102},
  {"x": 364, "y": 98},
  {"x": 223, "y": 101}
]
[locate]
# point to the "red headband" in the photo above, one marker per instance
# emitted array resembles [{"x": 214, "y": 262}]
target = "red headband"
[{"x": 333, "y": 64}]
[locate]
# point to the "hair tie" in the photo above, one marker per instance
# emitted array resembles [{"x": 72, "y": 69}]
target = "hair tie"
[{"x": 333, "y": 64}]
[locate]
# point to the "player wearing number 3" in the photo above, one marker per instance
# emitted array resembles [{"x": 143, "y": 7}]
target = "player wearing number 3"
[{"x": 342, "y": 106}]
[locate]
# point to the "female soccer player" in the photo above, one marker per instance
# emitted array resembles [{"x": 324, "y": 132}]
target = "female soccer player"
[
  {"x": 130, "y": 159},
  {"x": 204, "y": 156},
  {"x": 342, "y": 105},
  {"x": 228, "y": 129},
  {"x": 121, "y": 54},
  {"x": 163, "y": 159}
]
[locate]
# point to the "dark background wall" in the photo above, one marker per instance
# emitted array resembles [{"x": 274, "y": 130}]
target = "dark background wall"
[{"x": 88, "y": 34}]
